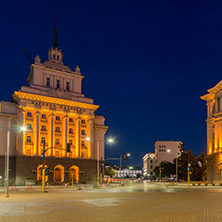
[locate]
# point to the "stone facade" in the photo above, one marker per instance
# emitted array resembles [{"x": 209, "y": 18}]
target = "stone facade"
[
  {"x": 214, "y": 132},
  {"x": 55, "y": 113}
]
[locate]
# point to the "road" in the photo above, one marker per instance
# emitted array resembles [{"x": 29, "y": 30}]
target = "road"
[{"x": 134, "y": 202}]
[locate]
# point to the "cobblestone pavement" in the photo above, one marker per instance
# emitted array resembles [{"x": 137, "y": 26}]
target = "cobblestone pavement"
[{"x": 129, "y": 203}]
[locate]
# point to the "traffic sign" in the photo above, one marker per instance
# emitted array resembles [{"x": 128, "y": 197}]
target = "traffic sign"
[{"x": 188, "y": 168}]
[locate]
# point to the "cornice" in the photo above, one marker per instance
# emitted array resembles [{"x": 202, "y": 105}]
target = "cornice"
[
  {"x": 58, "y": 71},
  {"x": 216, "y": 88},
  {"x": 208, "y": 96},
  {"x": 101, "y": 127},
  {"x": 7, "y": 115},
  {"x": 58, "y": 101}
]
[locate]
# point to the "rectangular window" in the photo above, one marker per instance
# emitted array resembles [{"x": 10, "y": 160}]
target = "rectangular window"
[
  {"x": 57, "y": 57},
  {"x": 54, "y": 56},
  {"x": 43, "y": 116},
  {"x": 83, "y": 121},
  {"x": 57, "y": 141},
  {"x": 71, "y": 120},
  {"x": 29, "y": 126},
  {"x": 57, "y": 129},
  {"x": 43, "y": 139},
  {"x": 48, "y": 82},
  {"x": 70, "y": 142},
  {"x": 43, "y": 128},
  {"x": 70, "y": 131},
  {"x": 28, "y": 152},
  {"x": 67, "y": 85},
  {"x": 58, "y": 84},
  {"x": 82, "y": 143},
  {"x": 83, "y": 132},
  {"x": 57, "y": 118},
  {"x": 57, "y": 153},
  {"x": 29, "y": 114},
  {"x": 28, "y": 139}
]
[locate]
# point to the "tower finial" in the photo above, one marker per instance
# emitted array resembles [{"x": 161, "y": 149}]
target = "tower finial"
[{"x": 55, "y": 45}]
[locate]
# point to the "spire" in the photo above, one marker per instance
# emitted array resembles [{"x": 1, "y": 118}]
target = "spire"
[{"x": 55, "y": 45}]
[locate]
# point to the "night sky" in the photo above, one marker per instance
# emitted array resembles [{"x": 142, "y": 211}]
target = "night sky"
[{"x": 146, "y": 63}]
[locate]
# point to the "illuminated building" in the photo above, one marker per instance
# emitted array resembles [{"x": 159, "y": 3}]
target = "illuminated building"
[
  {"x": 53, "y": 109},
  {"x": 214, "y": 132},
  {"x": 164, "y": 151}
]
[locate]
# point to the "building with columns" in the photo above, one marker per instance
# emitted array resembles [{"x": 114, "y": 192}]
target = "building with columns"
[
  {"x": 53, "y": 109},
  {"x": 214, "y": 132}
]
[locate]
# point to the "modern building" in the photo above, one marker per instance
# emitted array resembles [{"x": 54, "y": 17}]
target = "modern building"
[
  {"x": 214, "y": 132},
  {"x": 128, "y": 171},
  {"x": 53, "y": 110},
  {"x": 164, "y": 151},
  {"x": 149, "y": 164}
]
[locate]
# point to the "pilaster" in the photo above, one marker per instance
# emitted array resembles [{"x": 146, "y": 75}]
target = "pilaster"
[
  {"x": 65, "y": 131},
  {"x": 36, "y": 134},
  {"x": 51, "y": 132},
  {"x": 77, "y": 136}
]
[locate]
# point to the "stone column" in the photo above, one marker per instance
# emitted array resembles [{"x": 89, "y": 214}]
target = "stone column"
[
  {"x": 90, "y": 152},
  {"x": 216, "y": 145},
  {"x": 36, "y": 134},
  {"x": 220, "y": 135},
  {"x": 216, "y": 105},
  {"x": 78, "y": 148},
  {"x": 22, "y": 134},
  {"x": 65, "y": 130},
  {"x": 51, "y": 132}
]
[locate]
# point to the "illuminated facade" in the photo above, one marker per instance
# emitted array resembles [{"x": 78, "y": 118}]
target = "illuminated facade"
[
  {"x": 164, "y": 151},
  {"x": 53, "y": 109},
  {"x": 214, "y": 132}
]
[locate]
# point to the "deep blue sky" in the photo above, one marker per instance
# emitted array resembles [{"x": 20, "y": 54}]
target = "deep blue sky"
[{"x": 146, "y": 63}]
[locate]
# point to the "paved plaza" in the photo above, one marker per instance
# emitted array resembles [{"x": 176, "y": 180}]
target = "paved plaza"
[{"x": 134, "y": 202}]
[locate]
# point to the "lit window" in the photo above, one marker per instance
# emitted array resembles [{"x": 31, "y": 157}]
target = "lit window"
[
  {"x": 83, "y": 132},
  {"x": 43, "y": 128},
  {"x": 71, "y": 120},
  {"x": 57, "y": 129},
  {"x": 29, "y": 126},
  {"x": 58, "y": 84},
  {"x": 43, "y": 116},
  {"x": 57, "y": 118},
  {"x": 28, "y": 139},
  {"x": 83, "y": 121},
  {"x": 48, "y": 82},
  {"x": 29, "y": 114},
  {"x": 57, "y": 153},
  {"x": 70, "y": 142},
  {"x": 43, "y": 139},
  {"x": 82, "y": 143},
  {"x": 71, "y": 131},
  {"x": 57, "y": 141},
  {"x": 28, "y": 152},
  {"x": 67, "y": 85}
]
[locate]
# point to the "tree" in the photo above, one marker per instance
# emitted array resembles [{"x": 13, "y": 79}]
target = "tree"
[
  {"x": 109, "y": 171},
  {"x": 167, "y": 168}
]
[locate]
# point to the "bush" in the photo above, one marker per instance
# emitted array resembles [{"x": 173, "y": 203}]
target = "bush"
[
  {"x": 199, "y": 184},
  {"x": 206, "y": 184},
  {"x": 213, "y": 184},
  {"x": 220, "y": 184},
  {"x": 193, "y": 184}
]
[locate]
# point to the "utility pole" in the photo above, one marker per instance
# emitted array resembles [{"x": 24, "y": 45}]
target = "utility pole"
[
  {"x": 43, "y": 167},
  {"x": 188, "y": 170}
]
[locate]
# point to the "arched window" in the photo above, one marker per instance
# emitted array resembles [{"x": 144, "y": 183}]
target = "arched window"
[
  {"x": 59, "y": 173},
  {"x": 39, "y": 173},
  {"x": 74, "y": 172}
]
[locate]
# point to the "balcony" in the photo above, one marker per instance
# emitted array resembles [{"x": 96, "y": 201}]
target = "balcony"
[
  {"x": 83, "y": 125},
  {"x": 29, "y": 143},
  {"x": 44, "y": 120}
]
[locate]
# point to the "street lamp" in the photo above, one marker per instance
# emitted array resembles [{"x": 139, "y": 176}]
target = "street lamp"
[
  {"x": 7, "y": 162},
  {"x": 110, "y": 141}
]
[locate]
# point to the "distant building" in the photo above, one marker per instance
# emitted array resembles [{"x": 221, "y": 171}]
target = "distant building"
[
  {"x": 128, "y": 171},
  {"x": 167, "y": 150},
  {"x": 164, "y": 151},
  {"x": 214, "y": 132}
]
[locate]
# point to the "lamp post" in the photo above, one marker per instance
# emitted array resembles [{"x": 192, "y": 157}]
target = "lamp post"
[
  {"x": 98, "y": 143},
  {"x": 7, "y": 160}
]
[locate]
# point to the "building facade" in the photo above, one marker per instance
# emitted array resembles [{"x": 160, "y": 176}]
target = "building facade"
[
  {"x": 214, "y": 132},
  {"x": 53, "y": 109},
  {"x": 164, "y": 151},
  {"x": 149, "y": 164}
]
